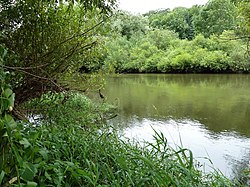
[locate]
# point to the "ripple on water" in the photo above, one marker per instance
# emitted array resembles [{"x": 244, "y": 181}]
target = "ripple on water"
[{"x": 226, "y": 151}]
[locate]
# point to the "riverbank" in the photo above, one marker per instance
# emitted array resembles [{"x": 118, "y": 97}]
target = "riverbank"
[{"x": 67, "y": 148}]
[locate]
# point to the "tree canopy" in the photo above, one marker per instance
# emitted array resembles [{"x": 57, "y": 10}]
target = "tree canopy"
[
  {"x": 47, "y": 39},
  {"x": 215, "y": 17},
  {"x": 203, "y": 39}
]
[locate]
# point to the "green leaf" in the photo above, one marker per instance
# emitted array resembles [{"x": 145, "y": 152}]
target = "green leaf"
[
  {"x": 7, "y": 93},
  {"x": 25, "y": 142},
  {"x": 12, "y": 99},
  {"x": 47, "y": 176},
  {"x": 28, "y": 173},
  {"x": 1, "y": 177},
  {"x": 44, "y": 153},
  {"x": 71, "y": 164},
  {"x": 9, "y": 122},
  {"x": 5, "y": 134},
  {"x": 4, "y": 53},
  {"x": 17, "y": 155},
  {"x": 31, "y": 184}
]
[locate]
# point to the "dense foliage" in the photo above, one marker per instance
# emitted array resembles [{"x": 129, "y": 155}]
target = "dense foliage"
[
  {"x": 161, "y": 51},
  {"x": 48, "y": 39},
  {"x": 7, "y": 123},
  {"x": 200, "y": 39},
  {"x": 215, "y": 17}
]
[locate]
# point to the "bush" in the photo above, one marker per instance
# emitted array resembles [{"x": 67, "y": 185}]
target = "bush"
[
  {"x": 161, "y": 38},
  {"x": 164, "y": 65},
  {"x": 182, "y": 63}
]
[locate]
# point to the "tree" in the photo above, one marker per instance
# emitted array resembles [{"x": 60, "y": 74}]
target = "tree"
[
  {"x": 244, "y": 14},
  {"x": 48, "y": 39},
  {"x": 215, "y": 17},
  {"x": 178, "y": 20},
  {"x": 157, "y": 19},
  {"x": 244, "y": 23},
  {"x": 118, "y": 53},
  {"x": 127, "y": 24},
  {"x": 161, "y": 38}
]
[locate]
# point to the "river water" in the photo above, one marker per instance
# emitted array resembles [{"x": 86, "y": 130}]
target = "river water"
[{"x": 209, "y": 114}]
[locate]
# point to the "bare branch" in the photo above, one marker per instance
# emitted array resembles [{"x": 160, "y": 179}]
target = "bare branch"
[
  {"x": 73, "y": 37},
  {"x": 71, "y": 52},
  {"x": 24, "y": 68},
  {"x": 39, "y": 77}
]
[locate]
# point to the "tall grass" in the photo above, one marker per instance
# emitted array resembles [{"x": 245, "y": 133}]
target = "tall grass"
[
  {"x": 60, "y": 152},
  {"x": 70, "y": 156}
]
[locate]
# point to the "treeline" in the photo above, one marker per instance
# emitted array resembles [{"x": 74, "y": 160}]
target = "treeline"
[{"x": 201, "y": 39}]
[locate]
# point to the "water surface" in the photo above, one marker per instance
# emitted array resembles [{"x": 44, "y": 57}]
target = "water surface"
[{"x": 210, "y": 114}]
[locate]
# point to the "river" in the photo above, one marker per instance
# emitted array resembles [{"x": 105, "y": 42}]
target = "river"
[{"x": 208, "y": 113}]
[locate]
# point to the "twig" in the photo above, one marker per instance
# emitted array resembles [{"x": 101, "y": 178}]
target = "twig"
[
  {"x": 39, "y": 77},
  {"x": 23, "y": 68},
  {"x": 73, "y": 37}
]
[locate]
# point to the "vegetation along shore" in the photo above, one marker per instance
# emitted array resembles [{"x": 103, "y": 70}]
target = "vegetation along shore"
[{"x": 53, "y": 52}]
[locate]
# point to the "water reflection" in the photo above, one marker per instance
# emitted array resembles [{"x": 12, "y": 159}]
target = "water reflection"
[
  {"x": 220, "y": 102},
  {"x": 210, "y": 114},
  {"x": 220, "y": 150}
]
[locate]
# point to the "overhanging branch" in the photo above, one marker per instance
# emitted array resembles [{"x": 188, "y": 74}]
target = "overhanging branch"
[{"x": 73, "y": 37}]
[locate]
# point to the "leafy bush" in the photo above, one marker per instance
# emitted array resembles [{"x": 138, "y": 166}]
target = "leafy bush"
[
  {"x": 182, "y": 63},
  {"x": 56, "y": 108},
  {"x": 150, "y": 64},
  {"x": 161, "y": 38},
  {"x": 160, "y": 51},
  {"x": 211, "y": 61},
  {"x": 164, "y": 65},
  {"x": 118, "y": 51}
]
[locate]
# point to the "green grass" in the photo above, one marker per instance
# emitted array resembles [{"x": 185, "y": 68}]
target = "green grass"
[{"x": 63, "y": 151}]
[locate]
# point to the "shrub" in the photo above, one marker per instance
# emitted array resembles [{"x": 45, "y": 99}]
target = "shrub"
[{"x": 182, "y": 63}]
